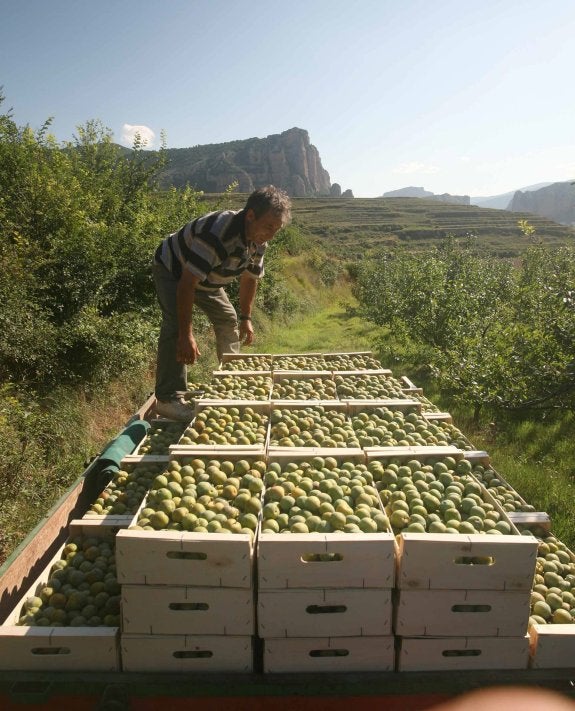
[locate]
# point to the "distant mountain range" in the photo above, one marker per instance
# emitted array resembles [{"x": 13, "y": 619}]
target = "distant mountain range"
[
  {"x": 422, "y": 193},
  {"x": 501, "y": 202}
]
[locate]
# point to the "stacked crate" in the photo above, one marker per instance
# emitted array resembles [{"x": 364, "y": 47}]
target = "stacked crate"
[
  {"x": 188, "y": 598},
  {"x": 462, "y": 599}
]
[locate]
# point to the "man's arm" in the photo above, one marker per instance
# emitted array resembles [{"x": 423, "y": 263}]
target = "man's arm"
[
  {"x": 248, "y": 287},
  {"x": 187, "y": 349}
]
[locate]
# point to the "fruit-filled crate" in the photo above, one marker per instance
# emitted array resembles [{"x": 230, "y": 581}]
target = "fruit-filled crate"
[
  {"x": 187, "y": 653},
  {"x": 317, "y": 424},
  {"x": 236, "y": 385},
  {"x": 160, "y": 436},
  {"x": 197, "y": 523},
  {"x": 340, "y": 612},
  {"x": 495, "y": 483},
  {"x": 329, "y": 654},
  {"x": 240, "y": 424},
  {"x": 303, "y": 385},
  {"x": 462, "y": 653},
  {"x": 322, "y": 524},
  {"x": 368, "y": 385},
  {"x": 452, "y": 533},
  {"x": 299, "y": 362},
  {"x": 246, "y": 361},
  {"x": 353, "y": 360},
  {"x": 552, "y": 621},
  {"x": 69, "y": 618},
  {"x": 123, "y": 494}
]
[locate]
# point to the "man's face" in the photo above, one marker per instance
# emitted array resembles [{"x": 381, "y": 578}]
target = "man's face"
[{"x": 263, "y": 229}]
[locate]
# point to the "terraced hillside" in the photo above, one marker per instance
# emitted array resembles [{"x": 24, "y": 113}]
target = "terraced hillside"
[{"x": 356, "y": 225}]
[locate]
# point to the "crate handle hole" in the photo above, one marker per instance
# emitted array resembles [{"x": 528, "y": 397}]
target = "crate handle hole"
[
  {"x": 471, "y": 608},
  {"x": 186, "y": 555},
  {"x": 189, "y": 606},
  {"x": 50, "y": 650},
  {"x": 325, "y": 609},
  {"x": 461, "y": 653},
  {"x": 321, "y": 557},
  {"x": 475, "y": 560},
  {"x": 329, "y": 653},
  {"x": 200, "y": 654}
]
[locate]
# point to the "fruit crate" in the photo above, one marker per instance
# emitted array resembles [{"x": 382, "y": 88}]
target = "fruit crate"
[
  {"x": 160, "y": 436},
  {"x": 172, "y": 557},
  {"x": 239, "y": 409},
  {"x": 246, "y": 361},
  {"x": 462, "y": 653},
  {"x": 329, "y": 654},
  {"x": 188, "y": 610},
  {"x": 299, "y": 362},
  {"x": 342, "y": 612},
  {"x": 250, "y": 385},
  {"x": 300, "y": 381},
  {"x": 410, "y": 387},
  {"x": 319, "y": 411},
  {"x": 481, "y": 458},
  {"x": 353, "y": 360},
  {"x": 326, "y": 560},
  {"x": 368, "y": 385},
  {"x": 60, "y": 648},
  {"x": 186, "y": 653},
  {"x": 462, "y": 613}
]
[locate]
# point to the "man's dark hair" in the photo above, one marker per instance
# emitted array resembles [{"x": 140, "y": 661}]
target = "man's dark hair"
[{"x": 270, "y": 198}]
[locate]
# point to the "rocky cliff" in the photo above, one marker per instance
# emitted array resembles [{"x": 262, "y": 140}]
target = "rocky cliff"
[
  {"x": 287, "y": 160},
  {"x": 556, "y": 201}
]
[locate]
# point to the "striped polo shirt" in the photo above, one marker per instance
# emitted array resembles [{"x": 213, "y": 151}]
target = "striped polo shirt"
[{"x": 214, "y": 248}]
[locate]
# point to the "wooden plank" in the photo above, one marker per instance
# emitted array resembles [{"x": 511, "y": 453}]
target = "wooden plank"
[
  {"x": 182, "y": 653},
  {"x": 323, "y": 613},
  {"x": 167, "y": 609},
  {"x": 182, "y": 558},
  {"x": 552, "y": 646},
  {"x": 465, "y": 613},
  {"x": 303, "y": 560},
  {"x": 331, "y": 654},
  {"x": 455, "y": 653},
  {"x": 473, "y": 562}
]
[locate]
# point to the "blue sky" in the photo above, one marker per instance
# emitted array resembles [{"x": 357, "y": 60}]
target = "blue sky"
[{"x": 462, "y": 97}]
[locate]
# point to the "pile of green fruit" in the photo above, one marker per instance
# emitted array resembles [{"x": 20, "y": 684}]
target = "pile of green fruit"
[
  {"x": 368, "y": 387},
  {"x": 435, "y": 497},
  {"x": 205, "y": 496},
  {"x": 227, "y": 425},
  {"x": 126, "y": 491},
  {"x": 499, "y": 489},
  {"x": 299, "y": 362},
  {"x": 553, "y": 594},
  {"x": 234, "y": 387},
  {"x": 384, "y": 427},
  {"x": 160, "y": 436},
  {"x": 304, "y": 389},
  {"x": 313, "y": 426},
  {"x": 82, "y": 589},
  {"x": 426, "y": 404},
  {"x": 350, "y": 361},
  {"x": 253, "y": 362},
  {"x": 321, "y": 495}
]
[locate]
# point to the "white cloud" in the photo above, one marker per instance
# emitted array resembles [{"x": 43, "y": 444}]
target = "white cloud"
[
  {"x": 129, "y": 133},
  {"x": 415, "y": 167}
]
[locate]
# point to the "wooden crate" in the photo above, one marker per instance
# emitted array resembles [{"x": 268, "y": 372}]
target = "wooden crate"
[
  {"x": 228, "y": 357},
  {"x": 465, "y": 613},
  {"x": 323, "y": 613},
  {"x": 186, "y": 653},
  {"x": 455, "y": 653},
  {"x": 330, "y": 560},
  {"x": 59, "y": 648},
  {"x": 168, "y": 609},
  {"x": 423, "y": 453},
  {"x": 329, "y": 654},
  {"x": 409, "y": 386},
  {"x": 183, "y": 558},
  {"x": 552, "y": 646},
  {"x": 431, "y": 561},
  {"x": 355, "y": 406}
]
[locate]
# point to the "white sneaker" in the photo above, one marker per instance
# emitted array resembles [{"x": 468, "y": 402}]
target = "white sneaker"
[{"x": 176, "y": 409}]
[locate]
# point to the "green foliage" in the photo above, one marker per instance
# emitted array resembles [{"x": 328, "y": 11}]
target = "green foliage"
[{"x": 494, "y": 333}]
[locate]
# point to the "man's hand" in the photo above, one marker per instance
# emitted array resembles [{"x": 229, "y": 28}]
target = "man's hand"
[
  {"x": 187, "y": 349},
  {"x": 246, "y": 332}
]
